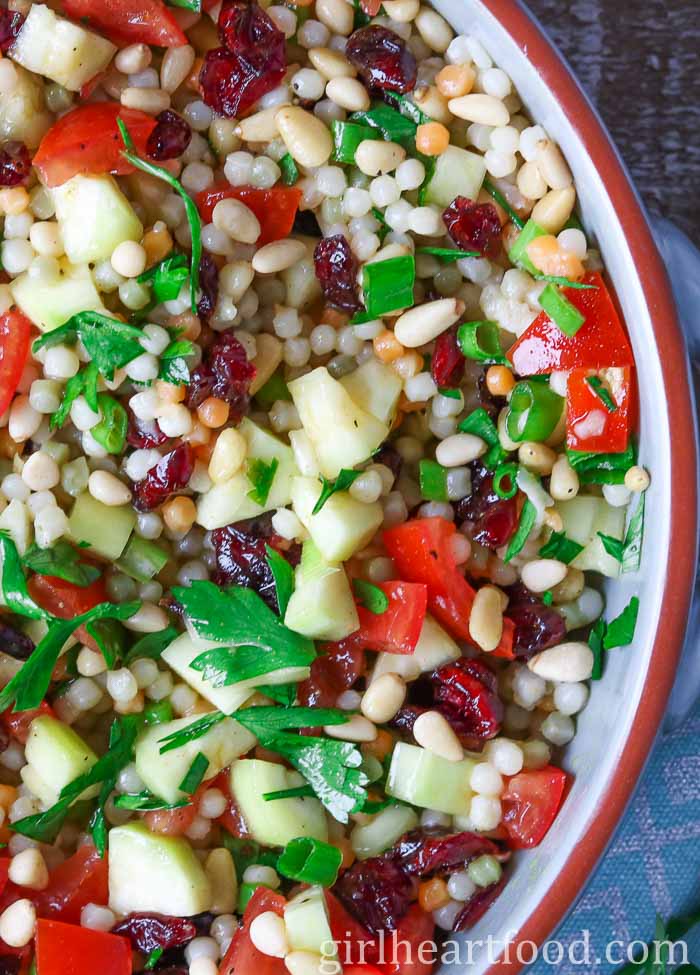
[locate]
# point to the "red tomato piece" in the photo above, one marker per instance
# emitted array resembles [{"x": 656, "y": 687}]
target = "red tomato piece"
[
  {"x": 360, "y": 970},
  {"x": 15, "y": 330},
  {"x": 67, "y": 949},
  {"x": 17, "y": 722},
  {"x": 356, "y": 946},
  {"x": 87, "y": 141},
  {"x": 397, "y": 629},
  {"x": 589, "y": 424},
  {"x": 242, "y": 955},
  {"x": 422, "y": 551},
  {"x": 530, "y": 802},
  {"x": 66, "y": 600},
  {"x": 600, "y": 342},
  {"x": 275, "y": 208},
  {"x": 79, "y": 880},
  {"x": 415, "y": 945},
  {"x": 129, "y": 21}
]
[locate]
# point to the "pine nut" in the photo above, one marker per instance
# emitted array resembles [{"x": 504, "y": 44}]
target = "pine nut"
[
  {"x": 269, "y": 935},
  {"x": 305, "y": 136},
  {"x": 132, "y": 59},
  {"x": 221, "y": 873},
  {"x": 278, "y": 256},
  {"x": 460, "y": 448},
  {"x": 358, "y": 728},
  {"x": 176, "y": 66},
  {"x": 484, "y": 109},
  {"x": 108, "y": 489},
  {"x": 432, "y": 103},
  {"x": 260, "y": 127},
  {"x": 402, "y": 11},
  {"x": 553, "y": 166},
  {"x": 570, "y": 587},
  {"x": 383, "y": 698},
  {"x": 541, "y": 574},
  {"x": 349, "y": 93},
  {"x": 149, "y": 100},
  {"x": 637, "y": 479},
  {"x": 373, "y": 157},
  {"x": 434, "y": 733},
  {"x": 564, "y": 483},
  {"x": 566, "y": 662},
  {"x": 337, "y": 15},
  {"x": 28, "y": 869},
  {"x": 236, "y": 220},
  {"x": 305, "y": 963},
  {"x": 434, "y": 29},
  {"x": 537, "y": 457},
  {"x": 17, "y": 923},
  {"x": 268, "y": 355},
  {"x": 422, "y": 324},
  {"x": 228, "y": 455},
  {"x": 149, "y": 619},
  {"x": 330, "y": 63},
  {"x": 554, "y": 209},
  {"x": 486, "y": 618},
  {"x": 531, "y": 182}
]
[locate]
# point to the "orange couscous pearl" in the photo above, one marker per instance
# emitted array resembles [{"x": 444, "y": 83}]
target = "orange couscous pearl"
[
  {"x": 213, "y": 412},
  {"x": 188, "y": 326},
  {"x": 432, "y": 138},
  {"x": 179, "y": 514},
  {"x": 433, "y": 894},
  {"x": 343, "y": 844},
  {"x": 455, "y": 80},
  {"x": 499, "y": 380},
  {"x": 169, "y": 392},
  {"x": 387, "y": 347},
  {"x": 157, "y": 244},
  {"x": 549, "y": 258},
  {"x": 380, "y": 747}
]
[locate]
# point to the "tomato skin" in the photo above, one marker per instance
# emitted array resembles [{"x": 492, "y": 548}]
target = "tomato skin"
[
  {"x": 600, "y": 342},
  {"x": 421, "y": 549},
  {"x": 66, "y": 600},
  {"x": 79, "y": 880},
  {"x": 275, "y": 208},
  {"x": 530, "y": 803},
  {"x": 87, "y": 141},
  {"x": 15, "y": 332},
  {"x": 68, "y": 949},
  {"x": 17, "y": 723},
  {"x": 129, "y": 21},
  {"x": 242, "y": 955},
  {"x": 416, "y": 928},
  {"x": 581, "y": 401},
  {"x": 397, "y": 630}
]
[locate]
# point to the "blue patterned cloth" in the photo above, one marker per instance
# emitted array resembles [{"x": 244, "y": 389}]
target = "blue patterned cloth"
[{"x": 653, "y": 863}]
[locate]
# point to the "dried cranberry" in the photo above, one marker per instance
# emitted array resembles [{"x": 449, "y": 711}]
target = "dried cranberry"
[
  {"x": 251, "y": 63},
  {"x": 241, "y": 560},
  {"x": 331, "y": 674},
  {"x": 171, "y": 474},
  {"x": 382, "y": 59},
  {"x": 447, "y": 363},
  {"x": 143, "y": 433},
  {"x": 466, "y": 694},
  {"x": 10, "y": 26},
  {"x": 170, "y": 137},
  {"x": 424, "y": 854},
  {"x": 146, "y": 932},
  {"x": 336, "y": 268},
  {"x": 377, "y": 892},
  {"x": 15, "y": 164},
  {"x": 492, "y": 519},
  {"x": 389, "y": 456},
  {"x": 209, "y": 285},
  {"x": 537, "y": 626},
  {"x": 474, "y": 226},
  {"x": 478, "y": 904},
  {"x": 224, "y": 373},
  {"x": 15, "y": 643},
  {"x": 11, "y": 964}
]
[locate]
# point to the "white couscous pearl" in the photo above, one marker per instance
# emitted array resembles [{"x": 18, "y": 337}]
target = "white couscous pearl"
[
  {"x": 17, "y": 923},
  {"x": 410, "y": 174},
  {"x": 97, "y": 917},
  {"x": 128, "y": 259},
  {"x": 268, "y": 934},
  {"x": 486, "y": 779},
  {"x": 485, "y": 812},
  {"x": 558, "y": 728},
  {"x": 143, "y": 368},
  {"x": 61, "y": 363},
  {"x": 41, "y": 472},
  {"x": 570, "y": 698},
  {"x": 505, "y": 756}
]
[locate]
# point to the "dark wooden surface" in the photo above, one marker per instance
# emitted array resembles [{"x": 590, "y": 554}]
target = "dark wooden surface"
[{"x": 639, "y": 60}]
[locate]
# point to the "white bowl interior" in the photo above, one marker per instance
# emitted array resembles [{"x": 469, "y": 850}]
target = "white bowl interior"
[{"x": 605, "y": 724}]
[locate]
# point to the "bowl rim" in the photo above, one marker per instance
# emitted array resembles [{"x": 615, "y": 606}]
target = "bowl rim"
[{"x": 655, "y": 288}]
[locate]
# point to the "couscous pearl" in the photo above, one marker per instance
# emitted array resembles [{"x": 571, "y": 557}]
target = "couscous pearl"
[
  {"x": 17, "y": 923},
  {"x": 50, "y": 524},
  {"x": 175, "y": 420},
  {"x": 505, "y": 756},
  {"x": 129, "y": 259},
  {"x": 24, "y": 420},
  {"x": 570, "y": 698},
  {"x": 121, "y": 684},
  {"x": 267, "y": 932},
  {"x": 143, "y": 369},
  {"x": 486, "y": 779},
  {"x": 41, "y": 472},
  {"x": 28, "y": 869},
  {"x": 484, "y": 812},
  {"x": 558, "y": 728},
  {"x": 97, "y": 917}
]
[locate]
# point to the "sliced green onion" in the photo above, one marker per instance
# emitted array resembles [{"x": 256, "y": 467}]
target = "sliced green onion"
[
  {"x": 518, "y": 252},
  {"x": 388, "y": 285},
  {"x": 142, "y": 559},
  {"x": 346, "y": 138},
  {"x": 433, "y": 480},
  {"x": 156, "y": 712},
  {"x": 446, "y": 254},
  {"x": 310, "y": 861},
  {"x": 296, "y": 792},
  {"x": 533, "y": 411},
  {"x": 502, "y": 202},
  {"x": 392, "y": 124},
  {"x": 195, "y": 774},
  {"x": 602, "y": 468},
  {"x": 288, "y": 168},
  {"x": 481, "y": 425},
  {"x": 547, "y": 597},
  {"x": 528, "y": 516},
  {"x": 508, "y": 473},
  {"x": 370, "y": 596},
  {"x": 565, "y": 316},
  {"x": 565, "y": 282},
  {"x": 481, "y": 341},
  {"x": 596, "y": 384},
  {"x": 408, "y": 108}
]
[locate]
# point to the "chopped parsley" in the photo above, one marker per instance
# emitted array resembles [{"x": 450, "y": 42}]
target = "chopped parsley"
[
  {"x": 600, "y": 390},
  {"x": 261, "y": 475},
  {"x": 328, "y": 488},
  {"x": 283, "y": 574},
  {"x": 559, "y": 547},
  {"x": 110, "y": 343},
  {"x": 167, "y": 278},
  {"x": 528, "y": 516},
  {"x": 481, "y": 425},
  {"x": 14, "y": 584},
  {"x": 110, "y": 432},
  {"x": 617, "y": 633},
  {"x": 173, "y": 362},
  {"x": 84, "y": 383}
]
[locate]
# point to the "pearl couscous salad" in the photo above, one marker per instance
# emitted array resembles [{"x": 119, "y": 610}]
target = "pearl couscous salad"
[{"x": 316, "y": 442}]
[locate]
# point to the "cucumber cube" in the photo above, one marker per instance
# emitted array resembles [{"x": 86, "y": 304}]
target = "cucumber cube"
[
  {"x": 423, "y": 779},
  {"x": 342, "y": 526},
  {"x": 155, "y": 873},
  {"x": 376, "y": 388},
  {"x": 307, "y": 924},
  {"x": 583, "y": 517},
  {"x": 142, "y": 560},
  {"x": 23, "y": 115},
  {"x": 94, "y": 217},
  {"x": 51, "y": 300},
  {"x": 322, "y": 606},
  {"x": 435, "y": 647},
  {"x": 458, "y": 172},
  {"x": 15, "y": 521},
  {"x": 275, "y": 822},
  {"x": 105, "y": 529},
  {"x": 55, "y": 756},
  {"x": 382, "y": 831}
]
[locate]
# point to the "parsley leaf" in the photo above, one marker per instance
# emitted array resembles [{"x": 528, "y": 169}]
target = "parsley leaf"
[
  {"x": 595, "y": 642},
  {"x": 167, "y": 277},
  {"x": 289, "y": 170},
  {"x": 370, "y": 596},
  {"x": 481, "y": 425},
  {"x": 110, "y": 637},
  {"x": 145, "y": 802},
  {"x": 110, "y": 432},
  {"x": 83, "y": 383},
  {"x": 261, "y": 475},
  {"x": 173, "y": 364},
  {"x": 596, "y": 384},
  {"x": 342, "y": 482},
  {"x": 195, "y": 774},
  {"x": 559, "y": 547},
  {"x": 61, "y": 561},
  {"x": 191, "y": 732},
  {"x": 620, "y": 631},
  {"x": 223, "y": 666},
  {"x": 613, "y": 546},
  {"x": 110, "y": 343},
  {"x": 14, "y": 585},
  {"x": 283, "y": 574},
  {"x": 151, "y": 645},
  {"x": 525, "y": 525},
  {"x": 285, "y": 694},
  {"x": 265, "y": 720}
]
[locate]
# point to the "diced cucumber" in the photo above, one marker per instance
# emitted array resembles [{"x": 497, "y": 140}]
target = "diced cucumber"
[
  {"x": 51, "y": 300},
  {"x": 141, "y": 559},
  {"x": 304, "y": 454},
  {"x": 105, "y": 529},
  {"x": 15, "y": 521},
  {"x": 583, "y": 517},
  {"x": 382, "y": 831},
  {"x": 518, "y": 252},
  {"x": 435, "y": 647},
  {"x": 155, "y": 873},
  {"x": 300, "y": 280},
  {"x": 55, "y": 756},
  {"x": 275, "y": 822},
  {"x": 228, "y": 502},
  {"x": 342, "y": 526},
  {"x": 163, "y": 774},
  {"x": 59, "y": 49},
  {"x": 23, "y": 114},
  {"x": 94, "y": 217},
  {"x": 321, "y": 606},
  {"x": 307, "y": 924},
  {"x": 376, "y": 388},
  {"x": 429, "y": 781},
  {"x": 343, "y": 434},
  {"x": 458, "y": 172}
]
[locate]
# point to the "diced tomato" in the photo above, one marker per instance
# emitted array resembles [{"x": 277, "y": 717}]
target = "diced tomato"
[
  {"x": 530, "y": 802},
  {"x": 275, "y": 208},
  {"x": 589, "y": 424},
  {"x": 17, "y": 723},
  {"x": 175, "y": 822},
  {"x": 66, "y": 600},
  {"x": 360, "y": 970},
  {"x": 414, "y": 938},
  {"x": 15, "y": 331},
  {"x": 422, "y": 551},
  {"x": 397, "y": 629},
  {"x": 87, "y": 141},
  {"x": 129, "y": 21},
  {"x": 4, "y": 868},
  {"x": 600, "y": 342},
  {"x": 77, "y": 881},
  {"x": 242, "y": 957},
  {"x": 356, "y": 946},
  {"x": 68, "y": 949}
]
